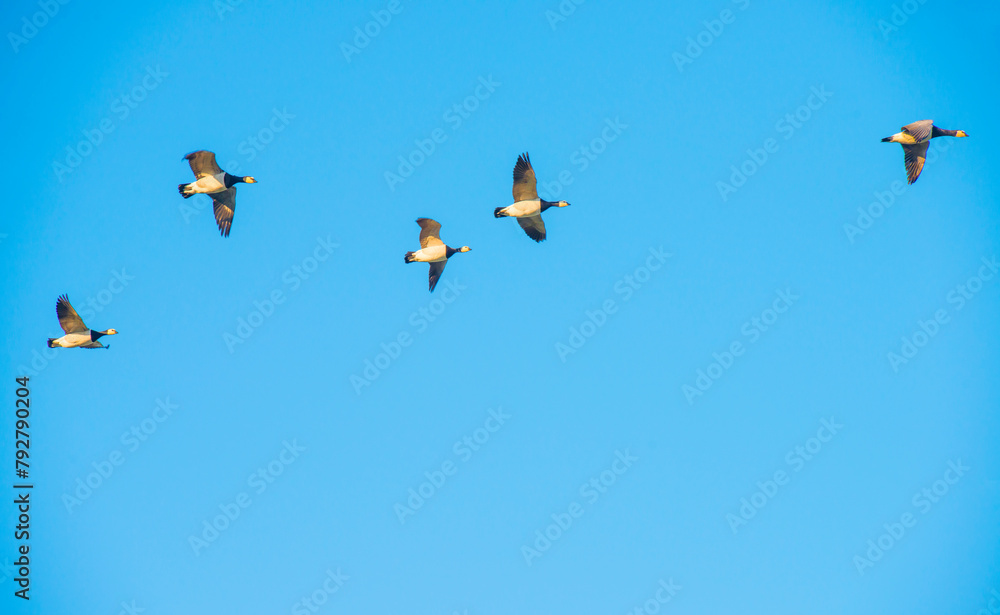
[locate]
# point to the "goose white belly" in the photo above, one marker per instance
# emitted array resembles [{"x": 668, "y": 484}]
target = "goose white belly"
[
  {"x": 209, "y": 184},
  {"x": 431, "y": 254},
  {"x": 524, "y": 209},
  {"x": 73, "y": 340}
]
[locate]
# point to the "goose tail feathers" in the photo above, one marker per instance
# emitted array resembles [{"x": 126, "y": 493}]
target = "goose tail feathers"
[
  {"x": 180, "y": 188},
  {"x": 408, "y": 257},
  {"x": 499, "y": 212}
]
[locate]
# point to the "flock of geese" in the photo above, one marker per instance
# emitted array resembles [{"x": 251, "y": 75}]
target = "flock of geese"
[{"x": 527, "y": 210}]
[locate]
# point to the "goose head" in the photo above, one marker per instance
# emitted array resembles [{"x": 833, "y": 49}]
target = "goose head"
[
  {"x": 110, "y": 332},
  {"x": 961, "y": 133},
  {"x": 464, "y": 249},
  {"x": 248, "y": 180},
  {"x": 562, "y": 204}
]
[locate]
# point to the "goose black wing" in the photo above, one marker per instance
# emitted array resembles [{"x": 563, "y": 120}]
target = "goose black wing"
[
  {"x": 533, "y": 226},
  {"x": 430, "y": 232},
  {"x": 437, "y": 268},
  {"x": 525, "y": 184},
  {"x": 914, "y": 156},
  {"x": 203, "y": 163},
  {"x": 224, "y": 204},
  {"x": 920, "y": 131},
  {"x": 69, "y": 320}
]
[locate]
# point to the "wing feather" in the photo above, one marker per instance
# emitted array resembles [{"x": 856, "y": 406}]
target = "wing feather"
[
  {"x": 437, "y": 268},
  {"x": 914, "y": 156},
  {"x": 525, "y": 185},
  {"x": 533, "y": 226},
  {"x": 430, "y": 233},
  {"x": 69, "y": 320},
  {"x": 203, "y": 163},
  {"x": 224, "y": 205},
  {"x": 920, "y": 131}
]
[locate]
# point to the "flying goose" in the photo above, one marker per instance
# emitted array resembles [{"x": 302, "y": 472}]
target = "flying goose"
[
  {"x": 527, "y": 207},
  {"x": 915, "y": 138},
  {"x": 77, "y": 333},
  {"x": 432, "y": 250},
  {"x": 216, "y": 183}
]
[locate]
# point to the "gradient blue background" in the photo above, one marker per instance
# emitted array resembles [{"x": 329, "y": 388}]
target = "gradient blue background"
[{"x": 494, "y": 346}]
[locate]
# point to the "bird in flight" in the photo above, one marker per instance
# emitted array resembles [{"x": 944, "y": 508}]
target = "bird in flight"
[
  {"x": 527, "y": 207},
  {"x": 216, "y": 183},
  {"x": 432, "y": 250},
  {"x": 915, "y": 138},
  {"x": 78, "y": 335}
]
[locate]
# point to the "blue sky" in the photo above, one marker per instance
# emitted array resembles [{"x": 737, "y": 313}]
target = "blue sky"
[{"x": 705, "y": 392}]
